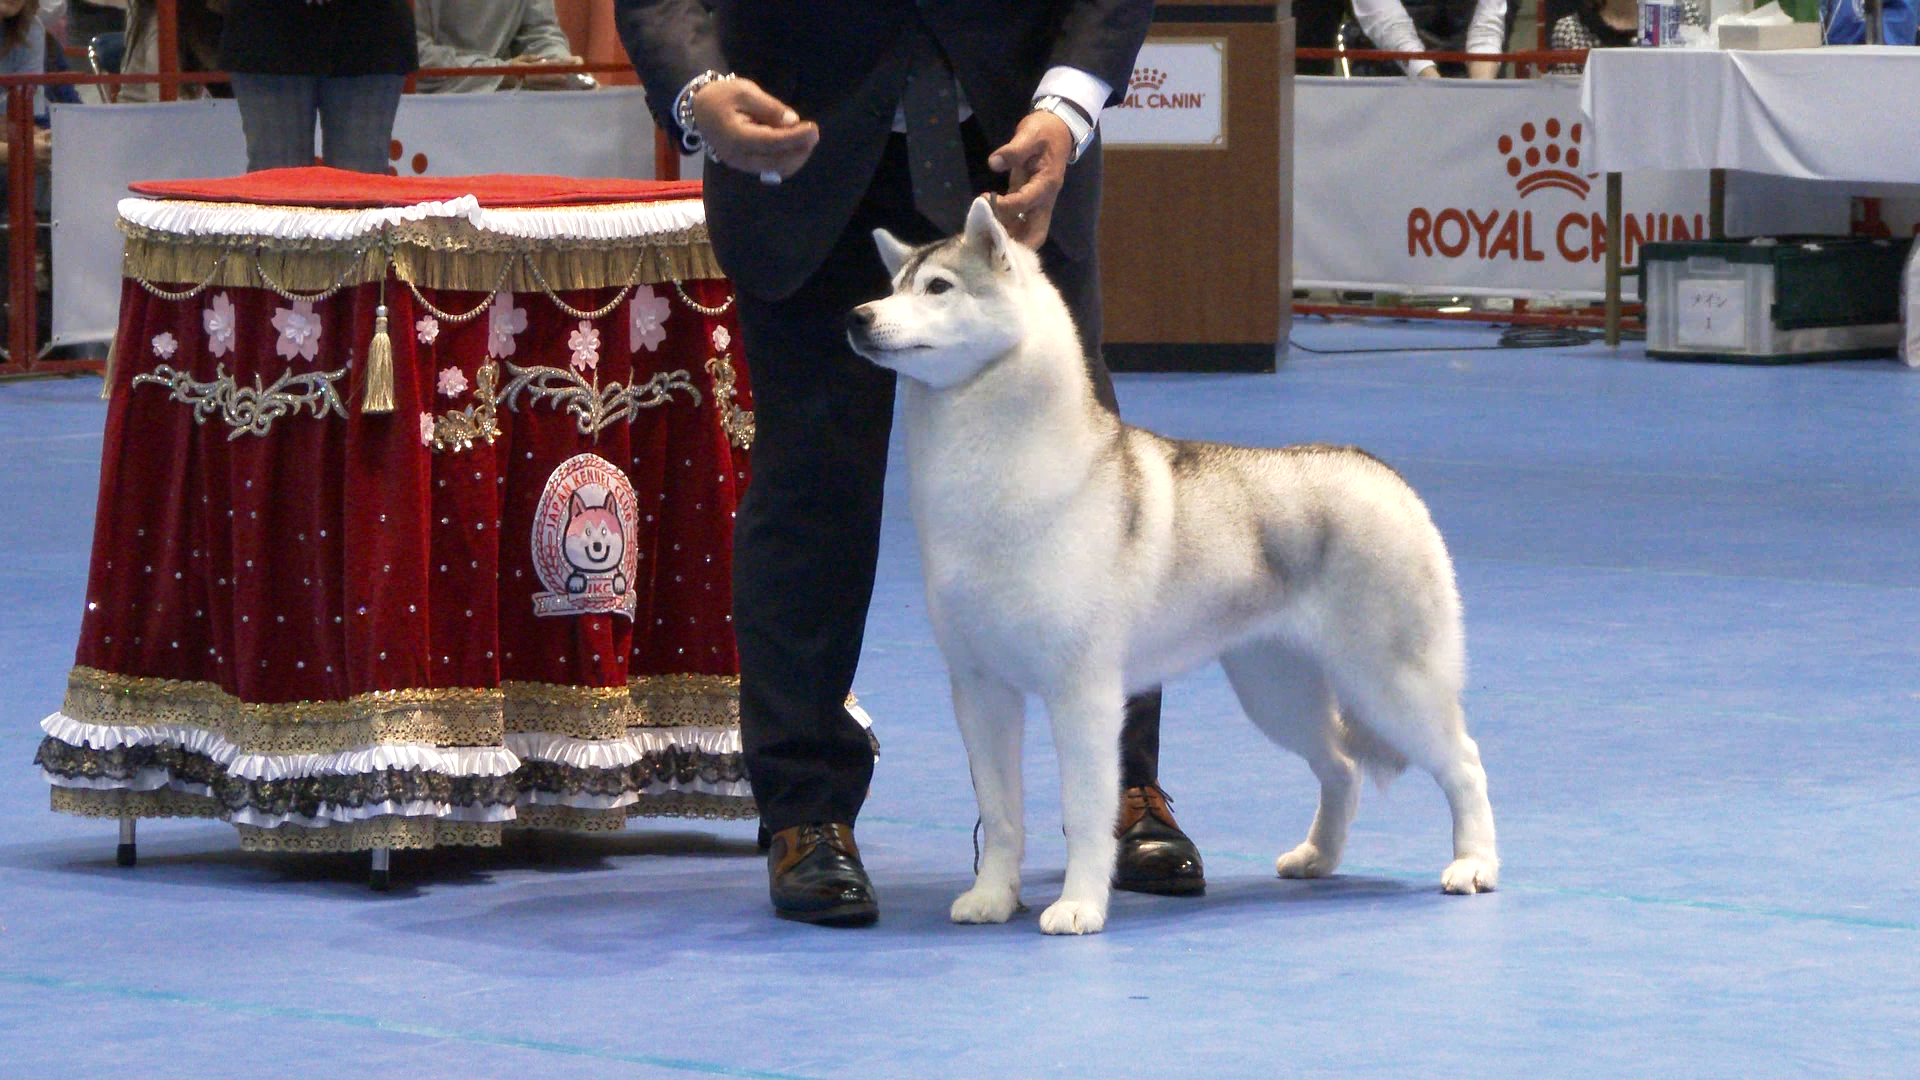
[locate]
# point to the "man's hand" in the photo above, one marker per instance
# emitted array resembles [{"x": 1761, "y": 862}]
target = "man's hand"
[
  {"x": 42, "y": 148},
  {"x": 1035, "y": 161},
  {"x": 1431, "y": 72},
  {"x": 751, "y": 130},
  {"x": 545, "y": 82},
  {"x": 1483, "y": 69}
]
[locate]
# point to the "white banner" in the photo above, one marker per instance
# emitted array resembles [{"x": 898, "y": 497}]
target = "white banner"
[
  {"x": 100, "y": 149},
  {"x": 1483, "y": 188}
]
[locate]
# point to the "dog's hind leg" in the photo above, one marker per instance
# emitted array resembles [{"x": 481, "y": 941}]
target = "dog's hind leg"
[
  {"x": 992, "y": 718},
  {"x": 1285, "y": 694},
  {"x": 1417, "y": 712},
  {"x": 1086, "y": 737}
]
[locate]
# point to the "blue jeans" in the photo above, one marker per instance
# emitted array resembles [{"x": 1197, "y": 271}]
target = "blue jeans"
[{"x": 356, "y": 119}]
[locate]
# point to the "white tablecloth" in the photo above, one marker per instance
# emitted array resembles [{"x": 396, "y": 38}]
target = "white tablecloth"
[{"x": 1842, "y": 113}]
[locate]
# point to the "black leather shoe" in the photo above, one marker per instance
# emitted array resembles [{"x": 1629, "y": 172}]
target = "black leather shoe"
[
  {"x": 814, "y": 875},
  {"x": 1155, "y": 856}
]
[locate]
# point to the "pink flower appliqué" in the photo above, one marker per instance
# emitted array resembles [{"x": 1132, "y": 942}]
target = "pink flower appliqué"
[
  {"x": 585, "y": 343},
  {"x": 219, "y": 322},
  {"x": 164, "y": 345},
  {"x": 646, "y": 320},
  {"x": 427, "y": 330},
  {"x": 426, "y": 429},
  {"x": 504, "y": 321},
  {"x": 452, "y": 382},
  {"x": 299, "y": 330},
  {"x": 721, "y": 339}
]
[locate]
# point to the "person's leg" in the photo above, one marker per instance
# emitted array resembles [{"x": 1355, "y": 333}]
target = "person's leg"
[
  {"x": 276, "y": 111},
  {"x": 806, "y": 544},
  {"x": 356, "y": 120},
  {"x": 1155, "y": 856}
]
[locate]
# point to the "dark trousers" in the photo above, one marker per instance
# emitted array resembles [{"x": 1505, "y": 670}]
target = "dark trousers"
[{"x": 807, "y": 534}]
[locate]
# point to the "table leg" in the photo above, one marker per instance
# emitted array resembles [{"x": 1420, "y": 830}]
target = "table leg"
[
  {"x": 377, "y": 880},
  {"x": 125, "y": 856},
  {"x": 1613, "y": 259},
  {"x": 1717, "y": 204}
]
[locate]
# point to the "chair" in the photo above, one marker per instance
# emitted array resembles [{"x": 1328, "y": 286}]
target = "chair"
[{"x": 105, "y": 52}]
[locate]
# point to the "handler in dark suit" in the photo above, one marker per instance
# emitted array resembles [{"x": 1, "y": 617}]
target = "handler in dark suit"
[{"x": 827, "y": 120}]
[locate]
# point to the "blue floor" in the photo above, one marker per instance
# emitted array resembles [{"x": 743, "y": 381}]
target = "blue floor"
[{"x": 1693, "y": 612}]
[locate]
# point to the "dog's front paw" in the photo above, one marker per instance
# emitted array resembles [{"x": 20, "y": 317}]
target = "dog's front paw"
[
  {"x": 985, "y": 904},
  {"x": 1470, "y": 875},
  {"x": 1072, "y": 917},
  {"x": 1305, "y": 861}
]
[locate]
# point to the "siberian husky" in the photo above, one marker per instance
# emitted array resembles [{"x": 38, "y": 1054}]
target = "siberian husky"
[{"x": 1072, "y": 557}]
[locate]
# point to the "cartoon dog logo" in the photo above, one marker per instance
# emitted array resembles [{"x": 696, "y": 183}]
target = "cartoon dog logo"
[
  {"x": 595, "y": 543},
  {"x": 585, "y": 541}
]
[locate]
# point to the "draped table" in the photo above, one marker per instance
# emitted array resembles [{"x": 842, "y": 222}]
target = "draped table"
[
  {"x": 415, "y": 515},
  {"x": 1815, "y": 114}
]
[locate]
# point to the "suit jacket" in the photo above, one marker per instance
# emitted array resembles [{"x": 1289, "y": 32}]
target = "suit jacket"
[{"x": 844, "y": 64}]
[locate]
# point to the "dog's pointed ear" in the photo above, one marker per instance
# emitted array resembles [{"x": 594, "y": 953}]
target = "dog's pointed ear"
[
  {"x": 893, "y": 251},
  {"x": 984, "y": 229}
]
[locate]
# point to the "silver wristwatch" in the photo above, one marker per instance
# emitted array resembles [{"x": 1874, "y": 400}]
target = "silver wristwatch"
[{"x": 1078, "y": 123}]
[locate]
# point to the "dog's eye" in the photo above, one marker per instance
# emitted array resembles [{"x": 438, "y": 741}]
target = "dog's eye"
[{"x": 938, "y": 285}]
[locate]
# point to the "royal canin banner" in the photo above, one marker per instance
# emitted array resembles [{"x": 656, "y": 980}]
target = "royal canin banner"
[
  {"x": 100, "y": 149},
  {"x": 1484, "y": 188}
]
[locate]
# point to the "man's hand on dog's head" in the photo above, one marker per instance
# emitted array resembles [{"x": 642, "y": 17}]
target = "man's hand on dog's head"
[
  {"x": 1035, "y": 161},
  {"x": 751, "y": 130}
]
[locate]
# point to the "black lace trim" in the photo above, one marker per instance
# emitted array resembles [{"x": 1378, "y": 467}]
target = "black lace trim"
[{"x": 304, "y": 795}]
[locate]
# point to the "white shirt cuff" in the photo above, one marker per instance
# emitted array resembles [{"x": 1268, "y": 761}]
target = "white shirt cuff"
[{"x": 1086, "y": 90}]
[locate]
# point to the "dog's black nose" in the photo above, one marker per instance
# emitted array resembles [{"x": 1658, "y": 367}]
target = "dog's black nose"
[{"x": 860, "y": 318}]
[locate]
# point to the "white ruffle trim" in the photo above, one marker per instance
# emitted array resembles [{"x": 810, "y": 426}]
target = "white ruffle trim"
[
  {"x": 619, "y": 753},
  {"x": 330, "y": 814},
  {"x": 283, "y": 223},
  {"x": 620, "y": 221},
  {"x": 453, "y": 761}
]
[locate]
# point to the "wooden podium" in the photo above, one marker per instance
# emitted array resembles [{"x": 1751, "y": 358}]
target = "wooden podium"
[{"x": 1196, "y": 237}]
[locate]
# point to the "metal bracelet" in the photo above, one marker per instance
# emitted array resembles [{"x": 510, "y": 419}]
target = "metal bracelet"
[{"x": 690, "y": 139}]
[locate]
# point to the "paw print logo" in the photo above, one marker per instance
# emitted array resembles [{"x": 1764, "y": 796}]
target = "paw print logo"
[
  {"x": 1147, "y": 78},
  {"x": 395, "y": 151},
  {"x": 1538, "y": 160}
]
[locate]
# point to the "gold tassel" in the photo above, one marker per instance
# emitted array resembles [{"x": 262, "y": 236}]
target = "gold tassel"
[
  {"x": 379, "y": 396},
  {"x": 113, "y": 365}
]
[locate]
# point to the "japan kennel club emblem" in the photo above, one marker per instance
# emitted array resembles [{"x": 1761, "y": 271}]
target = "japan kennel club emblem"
[{"x": 585, "y": 540}]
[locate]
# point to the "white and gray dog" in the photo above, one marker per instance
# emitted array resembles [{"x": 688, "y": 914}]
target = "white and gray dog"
[{"x": 1072, "y": 557}]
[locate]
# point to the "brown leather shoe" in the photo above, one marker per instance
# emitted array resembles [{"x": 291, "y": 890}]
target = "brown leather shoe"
[
  {"x": 1155, "y": 856},
  {"x": 814, "y": 876}
]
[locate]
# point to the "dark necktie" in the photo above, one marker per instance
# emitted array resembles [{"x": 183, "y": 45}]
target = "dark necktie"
[{"x": 939, "y": 164}]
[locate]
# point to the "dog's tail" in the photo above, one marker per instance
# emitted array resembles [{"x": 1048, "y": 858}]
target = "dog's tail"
[{"x": 1378, "y": 758}]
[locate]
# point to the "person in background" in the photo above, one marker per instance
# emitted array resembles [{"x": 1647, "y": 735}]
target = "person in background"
[
  {"x": 343, "y": 61},
  {"x": 200, "y": 26},
  {"x": 486, "y": 33},
  {"x": 23, "y": 51},
  {"x": 1606, "y": 24},
  {"x": 1475, "y": 26}
]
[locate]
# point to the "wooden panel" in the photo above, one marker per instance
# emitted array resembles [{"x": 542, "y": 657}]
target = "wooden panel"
[{"x": 1195, "y": 248}]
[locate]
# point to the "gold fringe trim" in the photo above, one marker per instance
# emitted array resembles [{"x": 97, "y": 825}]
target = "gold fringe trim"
[
  {"x": 122, "y": 803},
  {"x": 685, "y": 701},
  {"x": 569, "y": 819},
  {"x": 454, "y": 717},
  {"x": 439, "y": 253},
  {"x": 381, "y": 832},
  {"x": 450, "y": 717},
  {"x": 583, "y": 712}
]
